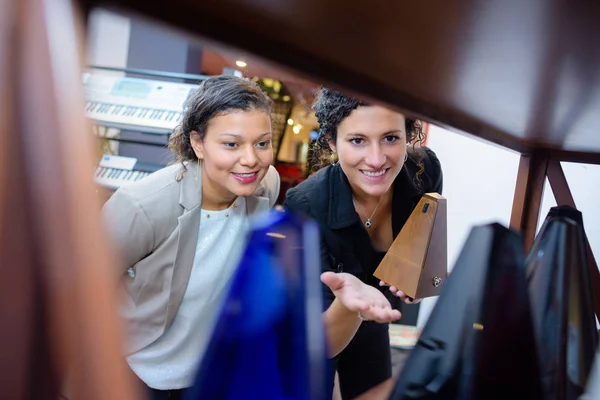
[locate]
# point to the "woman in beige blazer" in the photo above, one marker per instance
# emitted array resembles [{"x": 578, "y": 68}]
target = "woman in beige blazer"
[{"x": 176, "y": 229}]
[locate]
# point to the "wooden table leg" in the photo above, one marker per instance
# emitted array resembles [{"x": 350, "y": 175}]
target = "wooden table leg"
[{"x": 528, "y": 196}]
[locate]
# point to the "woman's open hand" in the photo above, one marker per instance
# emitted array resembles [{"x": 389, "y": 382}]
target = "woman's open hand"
[{"x": 359, "y": 297}]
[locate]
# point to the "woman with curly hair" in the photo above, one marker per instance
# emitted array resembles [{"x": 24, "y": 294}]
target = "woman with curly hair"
[
  {"x": 361, "y": 201},
  {"x": 176, "y": 228}
]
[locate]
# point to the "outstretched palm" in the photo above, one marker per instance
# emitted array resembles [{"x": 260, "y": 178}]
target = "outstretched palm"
[{"x": 359, "y": 297}]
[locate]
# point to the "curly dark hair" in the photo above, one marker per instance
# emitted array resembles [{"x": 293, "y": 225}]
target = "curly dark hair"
[
  {"x": 214, "y": 97},
  {"x": 332, "y": 107}
]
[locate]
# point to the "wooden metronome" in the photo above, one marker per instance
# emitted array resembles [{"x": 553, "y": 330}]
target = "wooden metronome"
[{"x": 416, "y": 262}]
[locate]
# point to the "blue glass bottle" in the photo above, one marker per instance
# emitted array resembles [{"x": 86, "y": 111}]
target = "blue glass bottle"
[{"x": 269, "y": 341}]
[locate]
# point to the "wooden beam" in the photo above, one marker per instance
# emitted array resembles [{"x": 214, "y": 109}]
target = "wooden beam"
[
  {"x": 528, "y": 195},
  {"x": 562, "y": 194},
  {"x": 574, "y": 156},
  {"x": 559, "y": 185}
]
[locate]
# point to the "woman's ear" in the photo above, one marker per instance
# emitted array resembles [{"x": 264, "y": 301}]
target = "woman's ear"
[
  {"x": 332, "y": 146},
  {"x": 197, "y": 145}
]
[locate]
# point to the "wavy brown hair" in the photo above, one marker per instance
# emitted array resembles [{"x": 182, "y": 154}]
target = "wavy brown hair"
[{"x": 214, "y": 97}]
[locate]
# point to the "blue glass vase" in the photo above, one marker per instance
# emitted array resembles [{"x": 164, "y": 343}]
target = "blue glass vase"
[{"x": 269, "y": 341}]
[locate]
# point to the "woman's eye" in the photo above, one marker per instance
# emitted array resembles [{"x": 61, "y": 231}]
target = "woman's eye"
[
  {"x": 391, "y": 138},
  {"x": 357, "y": 141},
  {"x": 264, "y": 144},
  {"x": 230, "y": 145}
]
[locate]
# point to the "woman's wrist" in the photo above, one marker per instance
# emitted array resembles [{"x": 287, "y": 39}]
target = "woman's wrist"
[{"x": 343, "y": 311}]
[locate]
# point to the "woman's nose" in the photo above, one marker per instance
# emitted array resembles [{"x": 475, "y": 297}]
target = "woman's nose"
[
  {"x": 375, "y": 157},
  {"x": 249, "y": 157}
]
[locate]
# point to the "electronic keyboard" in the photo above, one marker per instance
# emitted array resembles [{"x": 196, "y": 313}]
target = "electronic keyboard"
[
  {"x": 143, "y": 105},
  {"x": 116, "y": 171}
]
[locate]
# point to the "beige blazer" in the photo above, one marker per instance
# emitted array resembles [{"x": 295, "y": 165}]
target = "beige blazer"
[{"x": 154, "y": 223}]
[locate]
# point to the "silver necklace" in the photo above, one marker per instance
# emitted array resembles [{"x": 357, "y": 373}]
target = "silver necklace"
[{"x": 368, "y": 223}]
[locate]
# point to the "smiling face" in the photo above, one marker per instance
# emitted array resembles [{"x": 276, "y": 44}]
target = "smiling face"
[
  {"x": 371, "y": 147},
  {"x": 236, "y": 153}
]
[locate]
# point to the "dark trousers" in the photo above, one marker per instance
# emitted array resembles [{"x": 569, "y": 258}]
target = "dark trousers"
[{"x": 366, "y": 361}]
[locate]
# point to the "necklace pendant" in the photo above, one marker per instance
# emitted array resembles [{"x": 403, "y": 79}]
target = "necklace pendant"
[{"x": 368, "y": 223}]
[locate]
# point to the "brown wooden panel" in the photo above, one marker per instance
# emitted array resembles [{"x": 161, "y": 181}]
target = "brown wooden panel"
[
  {"x": 20, "y": 308},
  {"x": 512, "y": 72},
  {"x": 528, "y": 196},
  {"x": 60, "y": 330},
  {"x": 562, "y": 194}
]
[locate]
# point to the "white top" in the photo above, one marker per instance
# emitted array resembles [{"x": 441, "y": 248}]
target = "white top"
[{"x": 171, "y": 361}]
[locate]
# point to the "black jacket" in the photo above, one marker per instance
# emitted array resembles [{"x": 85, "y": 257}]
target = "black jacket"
[
  {"x": 327, "y": 198},
  {"x": 346, "y": 247}
]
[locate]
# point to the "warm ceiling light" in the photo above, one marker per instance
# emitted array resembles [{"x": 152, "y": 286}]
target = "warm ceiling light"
[
  {"x": 297, "y": 128},
  {"x": 240, "y": 63},
  {"x": 290, "y": 121},
  {"x": 286, "y": 98}
]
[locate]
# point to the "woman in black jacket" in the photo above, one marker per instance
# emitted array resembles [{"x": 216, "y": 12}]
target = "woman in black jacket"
[{"x": 361, "y": 203}]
